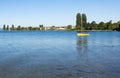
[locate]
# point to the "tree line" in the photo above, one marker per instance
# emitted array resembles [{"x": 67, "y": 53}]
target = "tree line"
[
  {"x": 40, "y": 27},
  {"x": 7, "y": 27},
  {"x": 81, "y": 23}
]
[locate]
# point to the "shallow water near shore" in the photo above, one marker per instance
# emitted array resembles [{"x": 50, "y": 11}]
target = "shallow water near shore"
[{"x": 59, "y": 54}]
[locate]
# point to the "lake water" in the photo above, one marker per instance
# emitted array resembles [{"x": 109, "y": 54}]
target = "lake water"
[{"x": 59, "y": 54}]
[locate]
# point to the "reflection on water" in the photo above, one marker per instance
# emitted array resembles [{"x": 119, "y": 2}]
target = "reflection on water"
[
  {"x": 82, "y": 57},
  {"x": 82, "y": 48},
  {"x": 82, "y": 44}
]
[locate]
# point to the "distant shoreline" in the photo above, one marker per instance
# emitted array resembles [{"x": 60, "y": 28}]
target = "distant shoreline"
[{"x": 65, "y": 30}]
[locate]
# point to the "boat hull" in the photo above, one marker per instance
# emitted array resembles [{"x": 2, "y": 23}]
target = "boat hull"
[{"x": 82, "y": 34}]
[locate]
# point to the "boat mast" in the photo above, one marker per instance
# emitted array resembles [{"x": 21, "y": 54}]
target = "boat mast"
[{"x": 81, "y": 24}]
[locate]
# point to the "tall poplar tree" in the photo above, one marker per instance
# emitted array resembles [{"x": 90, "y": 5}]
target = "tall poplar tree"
[
  {"x": 12, "y": 28},
  {"x": 7, "y": 27},
  {"x": 4, "y": 27},
  {"x": 84, "y": 21},
  {"x": 78, "y": 20}
]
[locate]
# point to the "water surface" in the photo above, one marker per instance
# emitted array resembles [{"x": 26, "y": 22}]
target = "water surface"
[{"x": 59, "y": 54}]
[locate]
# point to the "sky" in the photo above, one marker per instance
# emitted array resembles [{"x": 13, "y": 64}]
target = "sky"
[{"x": 56, "y": 12}]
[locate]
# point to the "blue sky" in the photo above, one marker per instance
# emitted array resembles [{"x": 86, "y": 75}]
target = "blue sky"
[{"x": 56, "y": 12}]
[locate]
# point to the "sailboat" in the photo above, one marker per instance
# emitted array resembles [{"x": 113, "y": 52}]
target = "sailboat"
[{"x": 82, "y": 34}]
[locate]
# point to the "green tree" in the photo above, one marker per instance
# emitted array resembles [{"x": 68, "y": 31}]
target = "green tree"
[
  {"x": 7, "y": 27},
  {"x": 89, "y": 27},
  {"x": 94, "y": 25},
  {"x": 12, "y": 28},
  {"x": 115, "y": 26},
  {"x": 41, "y": 27},
  {"x": 19, "y": 27},
  {"x": 118, "y": 28},
  {"x": 109, "y": 25},
  {"x": 118, "y": 23},
  {"x": 29, "y": 28},
  {"x": 84, "y": 21},
  {"x": 69, "y": 27},
  {"x": 4, "y": 27},
  {"x": 101, "y": 26},
  {"x": 78, "y": 21}
]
